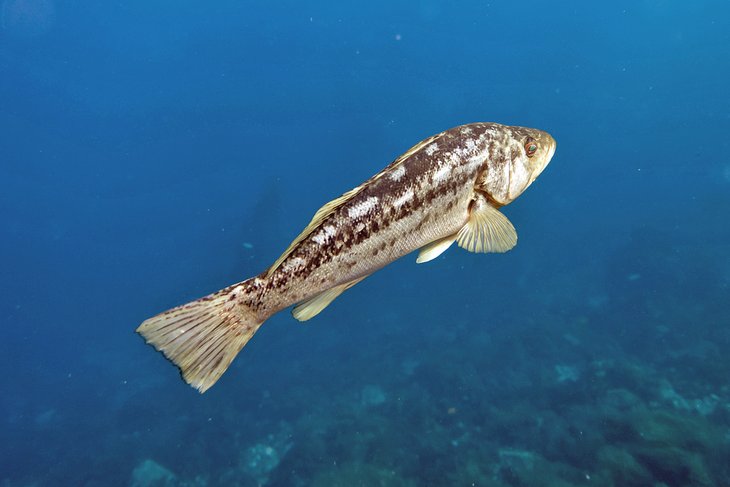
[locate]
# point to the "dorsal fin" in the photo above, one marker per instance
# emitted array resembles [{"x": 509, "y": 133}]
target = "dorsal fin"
[{"x": 329, "y": 208}]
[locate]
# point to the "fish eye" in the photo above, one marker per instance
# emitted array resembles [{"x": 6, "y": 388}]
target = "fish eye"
[{"x": 530, "y": 147}]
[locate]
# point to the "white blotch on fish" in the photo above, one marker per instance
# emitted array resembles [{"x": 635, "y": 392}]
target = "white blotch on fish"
[
  {"x": 325, "y": 235},
  {"x": 442, "y": 173},
  {"x": 363, "y": 208},
  {"x": 404, "y": 198},
  {"x": 398, "y": 173},
  {"x": 293, "y": 264}
]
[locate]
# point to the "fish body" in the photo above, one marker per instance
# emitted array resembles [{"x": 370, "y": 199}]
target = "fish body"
[{"x": 445, "y": 189}]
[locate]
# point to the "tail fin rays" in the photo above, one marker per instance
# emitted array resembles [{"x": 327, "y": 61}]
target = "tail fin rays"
[{"x": 202, "y": 337}]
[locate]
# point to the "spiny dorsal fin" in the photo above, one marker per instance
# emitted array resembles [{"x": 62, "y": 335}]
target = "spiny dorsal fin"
[
  {"x": 487, "y": 230},
  {"x": 313, "y": 306},
  {"x": 329, "y": 208}
]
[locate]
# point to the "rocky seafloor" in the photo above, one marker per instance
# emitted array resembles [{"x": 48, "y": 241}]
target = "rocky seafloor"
[{"x": 589, "y": 421}]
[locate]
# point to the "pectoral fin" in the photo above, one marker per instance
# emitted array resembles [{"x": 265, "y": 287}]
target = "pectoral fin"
[
  {"x": 434, "y": 249},
  {"x": 313, "y": 306},
  {"x": 487, "y": 230}
]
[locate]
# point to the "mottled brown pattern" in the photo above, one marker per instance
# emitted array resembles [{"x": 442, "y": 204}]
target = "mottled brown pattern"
[
  {"x": 419, "y": 169},
  {"x": 424, "y": 196},
  {"x": 419, "y": 176}
]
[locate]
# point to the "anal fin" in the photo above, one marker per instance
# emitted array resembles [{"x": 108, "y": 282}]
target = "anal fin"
[{"x": 313, "y": 306}]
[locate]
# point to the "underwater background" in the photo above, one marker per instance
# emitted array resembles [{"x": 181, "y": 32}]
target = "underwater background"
[{"x": 153, "y": 152}]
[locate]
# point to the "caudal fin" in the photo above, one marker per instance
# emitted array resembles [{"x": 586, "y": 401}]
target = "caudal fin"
[{"x": 204, "y": 336}]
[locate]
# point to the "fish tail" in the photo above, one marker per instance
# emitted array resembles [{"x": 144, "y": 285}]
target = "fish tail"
[{"x": 204, "y": 336}]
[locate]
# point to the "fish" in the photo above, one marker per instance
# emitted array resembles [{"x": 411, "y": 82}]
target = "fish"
[{"x": 446, "y": 189}]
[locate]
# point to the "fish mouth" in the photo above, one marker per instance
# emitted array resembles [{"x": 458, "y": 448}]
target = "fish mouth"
[{"x": 553, "y": 146}]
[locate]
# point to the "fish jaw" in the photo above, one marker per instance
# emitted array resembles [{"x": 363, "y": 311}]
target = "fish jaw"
[{"x": 543, "y": 159}]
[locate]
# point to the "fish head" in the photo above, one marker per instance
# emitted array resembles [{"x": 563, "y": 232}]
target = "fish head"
[{"x": 516, "y": 158}]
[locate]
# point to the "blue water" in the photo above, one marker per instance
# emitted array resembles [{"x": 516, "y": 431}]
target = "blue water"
[{"x": 153, "y": 152}]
